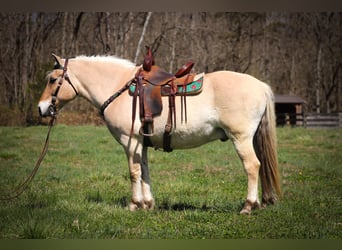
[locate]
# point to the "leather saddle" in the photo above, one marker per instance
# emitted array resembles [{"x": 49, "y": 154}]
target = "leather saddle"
[{"x": 151, "y": 83}]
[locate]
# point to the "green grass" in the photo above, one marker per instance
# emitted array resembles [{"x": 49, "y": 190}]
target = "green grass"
[{"x": 82, "y": 188}]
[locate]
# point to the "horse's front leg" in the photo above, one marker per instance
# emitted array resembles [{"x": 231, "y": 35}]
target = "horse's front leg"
[
  {"x": 145, "y": 182},
  {"x": 139, "y": 175}
]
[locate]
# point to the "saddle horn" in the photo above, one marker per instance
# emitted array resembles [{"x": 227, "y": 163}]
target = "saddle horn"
[{"x": 148, "y": 60}]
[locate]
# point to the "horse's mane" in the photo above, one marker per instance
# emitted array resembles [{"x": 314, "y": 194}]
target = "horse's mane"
[
  {"x": 109, "y": 59},
  {"x": 99, "y": 58}
]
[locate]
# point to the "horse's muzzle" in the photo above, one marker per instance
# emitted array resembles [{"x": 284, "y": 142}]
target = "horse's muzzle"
[{"x": 47, "y": 109}]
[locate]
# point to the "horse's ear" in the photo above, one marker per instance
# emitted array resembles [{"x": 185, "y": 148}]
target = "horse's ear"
[{"x": 58, "y": 61}]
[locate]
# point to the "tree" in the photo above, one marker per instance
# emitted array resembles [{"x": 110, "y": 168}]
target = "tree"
[
  {"x": 296, "y": 53},
  {"x": 147, "y": 20}
]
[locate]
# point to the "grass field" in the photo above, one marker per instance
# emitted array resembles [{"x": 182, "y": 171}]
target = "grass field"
[{"x": 82, "y": 188}]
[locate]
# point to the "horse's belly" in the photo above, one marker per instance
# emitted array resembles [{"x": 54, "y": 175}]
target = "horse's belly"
[
  {"x": 196, "y": 138},
  {"x": 190, "y": 134}
]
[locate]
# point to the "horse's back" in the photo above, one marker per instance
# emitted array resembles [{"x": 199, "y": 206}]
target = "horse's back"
[
  {"x": 235, "y": 85},
  {"x": 240, "y": 99}
]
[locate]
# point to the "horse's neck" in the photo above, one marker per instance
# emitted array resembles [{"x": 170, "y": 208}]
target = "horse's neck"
[{"x": 98, "y": 81}]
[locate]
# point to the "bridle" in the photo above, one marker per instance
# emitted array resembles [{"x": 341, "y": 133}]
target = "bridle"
[{"x": 53, "y": 107}]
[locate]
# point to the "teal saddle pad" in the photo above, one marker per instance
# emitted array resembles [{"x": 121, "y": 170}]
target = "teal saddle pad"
[{"x": 191, "y": 88}]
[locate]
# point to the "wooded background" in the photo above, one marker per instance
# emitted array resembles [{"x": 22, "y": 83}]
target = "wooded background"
[{"x": 296, "y": 53}]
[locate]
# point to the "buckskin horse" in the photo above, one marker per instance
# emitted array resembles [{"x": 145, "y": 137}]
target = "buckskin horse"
[{"x": 231, "y": 106}]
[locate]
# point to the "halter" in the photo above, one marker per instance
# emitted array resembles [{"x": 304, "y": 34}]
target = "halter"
[{"x": 53, "y": 107}]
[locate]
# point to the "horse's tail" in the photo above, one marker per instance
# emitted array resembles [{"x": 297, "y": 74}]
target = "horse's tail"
[{"x": 265, "y": 146}]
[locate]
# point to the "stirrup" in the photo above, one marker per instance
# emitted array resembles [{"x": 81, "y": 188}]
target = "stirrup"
[
  {"x": 143, "y": 134},
  {"x": 148, "y": 128}
]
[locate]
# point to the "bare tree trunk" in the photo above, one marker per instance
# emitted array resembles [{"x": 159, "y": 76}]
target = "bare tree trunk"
[
  {"x": 339, "y": 74},
  {"x": 175, "y": 16},
  {"x": 318, "y": 78},
  {"x": 293, "y": 76},
  {"x": 121, "y": 34},
  {"x": 64, "y": 25},
  {"x": 265, "y": 50},
  {"x": 24, "y": 65},
  {"x": 103, "y": 39},
  {"x": 250, "y": 49},
  {"x": 129, "y": 33},
  {"x": 149, "y": 14},
  {"x": 108, "y": 33},
  {"x": 338, "y": 92},
  {"x": 75, "y": 33}
]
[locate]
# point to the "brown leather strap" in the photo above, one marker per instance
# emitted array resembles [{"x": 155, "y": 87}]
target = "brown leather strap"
[
  {"x": 167, "y": 133},
  {"x": 114, "y": 96},
  {"x": 137, "y": 81},
  {"x": 171, "y": 119},
  {"x": 18, "y": 190},
  {"x": 134, "y": 108},
  {"x": 183, "y": 100},
  {"x": 167, "y": 142}
]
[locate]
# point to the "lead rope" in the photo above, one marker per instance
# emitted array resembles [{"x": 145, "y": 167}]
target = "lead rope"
[{"x": 17, "y": 191}]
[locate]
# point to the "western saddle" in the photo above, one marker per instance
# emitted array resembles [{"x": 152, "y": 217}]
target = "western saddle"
[{"x": 150, "y": 84}]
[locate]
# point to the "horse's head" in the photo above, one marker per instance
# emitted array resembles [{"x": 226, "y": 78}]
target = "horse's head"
[{"x": 59, "y": 89}]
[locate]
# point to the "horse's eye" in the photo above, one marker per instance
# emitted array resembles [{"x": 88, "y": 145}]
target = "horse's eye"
[{"x": 53, "y": 80}]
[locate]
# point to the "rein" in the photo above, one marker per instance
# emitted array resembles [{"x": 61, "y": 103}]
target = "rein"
[{"x": 18, "y": 190}]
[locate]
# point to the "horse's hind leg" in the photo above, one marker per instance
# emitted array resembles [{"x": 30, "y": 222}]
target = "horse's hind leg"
[{"x": 245, "y": 150}]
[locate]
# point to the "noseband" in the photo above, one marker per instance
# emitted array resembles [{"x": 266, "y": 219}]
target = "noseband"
[{"x": 53, "y": 107}]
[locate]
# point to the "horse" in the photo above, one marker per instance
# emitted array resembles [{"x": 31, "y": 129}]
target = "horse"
[{"x": 232, "y": 106}]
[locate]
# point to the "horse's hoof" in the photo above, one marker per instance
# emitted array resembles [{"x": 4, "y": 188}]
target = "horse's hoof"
[
  {"x": 249, "y": 206},
  {"x": 133, "y": 207},
  {"x": 245, "y": 211},
  {"x": 148, "y": 205},
  {"x": 145, "y": 205},
  {"x": 269, "y": 200}
]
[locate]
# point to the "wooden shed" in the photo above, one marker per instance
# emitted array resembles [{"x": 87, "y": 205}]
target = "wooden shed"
[{"x": 289, "y": 110}]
